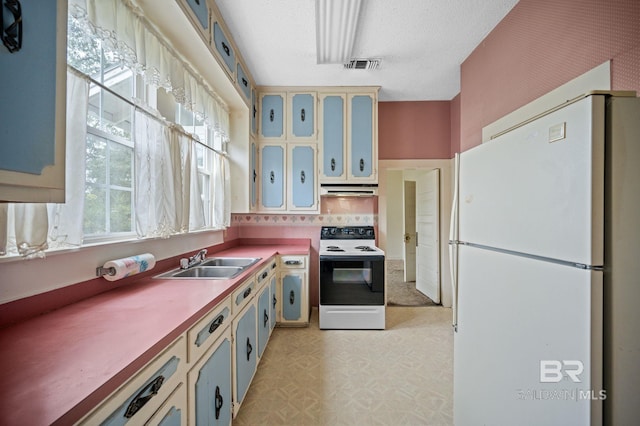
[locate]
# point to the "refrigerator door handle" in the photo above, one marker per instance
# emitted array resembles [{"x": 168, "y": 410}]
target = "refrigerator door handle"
[{"x": 453, "y": 243}]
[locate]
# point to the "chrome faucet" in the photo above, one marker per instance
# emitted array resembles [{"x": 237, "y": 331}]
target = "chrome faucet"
[{"x": 193, "y": 260}]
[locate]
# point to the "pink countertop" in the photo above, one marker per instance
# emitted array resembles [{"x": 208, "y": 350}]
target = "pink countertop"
[{"x": 58, "y": 366}]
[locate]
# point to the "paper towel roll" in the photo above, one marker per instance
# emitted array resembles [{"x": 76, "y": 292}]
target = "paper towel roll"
[{"x": 127, "y": 266}]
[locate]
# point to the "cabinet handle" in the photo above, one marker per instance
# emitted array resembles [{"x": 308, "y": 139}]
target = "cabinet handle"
[
  {"x": 274, "y": 265},
  {"x": 292, "y": 297},
  {"x": 333, "y": 164},
  {"x": 216, "y": 323},
  {"x": 255, "y": 111},
  {"x": 219, "y": 402},
  {"x": 272, "y": 177},
  {"x": 141, "y": 399},
  {"x": 293, "y": 262},
  {"x": 255, "y": 175},
  {"x": 249, "y": 349},
  {"x": 246, "y": 293},
  {"x": 225, "y": 48},
  {"x": 264, "y": 275},
  {"x": 12, "y": 33},
  {"x": 361, "y": 165},
  {"x": 302, "y": 177},
  {"x": 302, "y": 114},
  {"x": 266, "y": 318},
  {"x": 271, "y": 115},
  {"x": 275, "y": 300},
  {"x": 245, "y": 82}
]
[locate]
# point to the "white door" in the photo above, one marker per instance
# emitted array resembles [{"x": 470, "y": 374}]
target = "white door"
[
  {"x": 427, "y": 234},
  {"x": 409, "y": 192}
]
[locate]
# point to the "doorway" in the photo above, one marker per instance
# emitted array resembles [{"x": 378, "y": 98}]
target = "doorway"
[{"x": 413, "y": 237}]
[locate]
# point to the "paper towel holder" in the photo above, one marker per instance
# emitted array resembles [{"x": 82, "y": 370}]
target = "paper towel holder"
[{"x": 102, "y": 271}]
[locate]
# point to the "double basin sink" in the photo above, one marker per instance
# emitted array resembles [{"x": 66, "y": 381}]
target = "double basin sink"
[{"x": 223, "y": 268}]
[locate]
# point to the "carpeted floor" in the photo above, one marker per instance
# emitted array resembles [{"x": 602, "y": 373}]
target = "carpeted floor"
[
  {"x": 401, "y": 293},
  {"x": 402, "y": 375}
]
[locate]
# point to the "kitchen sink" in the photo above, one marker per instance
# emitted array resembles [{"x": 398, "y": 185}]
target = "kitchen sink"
[
  {"x": 230, "y": 261},
  {"x": 221, "y": 268},
  {"x": 204, "y": 272}
]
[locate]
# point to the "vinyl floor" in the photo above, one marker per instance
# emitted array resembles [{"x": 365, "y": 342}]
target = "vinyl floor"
[{"x": 402, "y": 375}]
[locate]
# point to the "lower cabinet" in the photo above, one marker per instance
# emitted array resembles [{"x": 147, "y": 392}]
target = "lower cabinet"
[
  {"x": 139, "y": 399},
  {"x": 293, "y": 290},
  {"x": 244, "y": 353},
  {"x": 274, "y": 301},
  {"x": 203, "y": 376},
  {"x": 264, "y": 315},
  {"x": 210, "y": 400},
  {"x": 174, "y": 411}
]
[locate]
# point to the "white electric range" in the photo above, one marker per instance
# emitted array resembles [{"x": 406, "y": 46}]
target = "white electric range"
[{"x": 352, "y": 279}]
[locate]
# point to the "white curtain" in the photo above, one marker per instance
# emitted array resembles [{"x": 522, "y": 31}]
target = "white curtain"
[
  {"x": 29, "y": 229},
  {"x": 221, "y": 192},
  {"x": 181, "y": 152},
  {"x": 65, "y": 220},
  {"x": 155, "y": 193},
  {"x": 122, "y": 26}
]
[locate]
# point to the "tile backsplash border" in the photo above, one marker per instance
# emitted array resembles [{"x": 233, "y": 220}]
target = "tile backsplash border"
[{"x": 362, "y": 219}]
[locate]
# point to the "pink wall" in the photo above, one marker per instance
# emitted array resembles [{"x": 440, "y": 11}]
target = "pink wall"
[
  {"x": 540, "y": 45},
  {"x": 419, "y": 129}
]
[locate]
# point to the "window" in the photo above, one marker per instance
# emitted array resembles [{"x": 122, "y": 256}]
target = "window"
[{"x": 110, "y": 161}]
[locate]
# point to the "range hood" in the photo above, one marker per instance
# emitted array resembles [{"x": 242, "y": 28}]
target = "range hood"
[{"x": 348, "y": 190}]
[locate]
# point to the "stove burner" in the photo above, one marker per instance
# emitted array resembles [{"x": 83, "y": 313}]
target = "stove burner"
[{"x": 365, "y": 248}]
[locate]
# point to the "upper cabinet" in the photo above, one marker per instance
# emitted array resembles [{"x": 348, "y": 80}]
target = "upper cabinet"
[
  {"x": 243, "y": 82},
  {"x": 349, "y": 137},
  {"x": 223, "y": 48},
  {"x": 199, "y": 14},
  {"x": 302, "y": 115},
  {"x": 272, "y": 119},
  {"x": 33, "y": 107}
]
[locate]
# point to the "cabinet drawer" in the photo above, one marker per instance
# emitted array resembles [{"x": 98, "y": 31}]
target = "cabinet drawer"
[
  {"x": 293, "y": 262},
  {"x": 262, "y": 277},
  {"x": 206, "y": 331},
  {"x": 242, "y": 295},
  {"x": 138, "y": 399}
]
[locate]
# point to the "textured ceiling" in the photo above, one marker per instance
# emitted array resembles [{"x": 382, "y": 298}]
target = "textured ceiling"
[{"x": 421, "y": 43}]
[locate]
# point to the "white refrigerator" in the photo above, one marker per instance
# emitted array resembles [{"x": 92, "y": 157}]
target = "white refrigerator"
[{"x": 529, "y": 269}]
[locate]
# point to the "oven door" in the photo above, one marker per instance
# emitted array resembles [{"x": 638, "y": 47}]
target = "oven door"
[{"x": 351, "y": 280}]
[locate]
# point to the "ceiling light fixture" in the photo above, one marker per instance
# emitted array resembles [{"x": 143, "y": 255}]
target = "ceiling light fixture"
[{"x": 336, "y": 22}]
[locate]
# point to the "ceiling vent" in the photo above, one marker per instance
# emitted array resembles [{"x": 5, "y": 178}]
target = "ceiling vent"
[{"x": 363, "y": 64}]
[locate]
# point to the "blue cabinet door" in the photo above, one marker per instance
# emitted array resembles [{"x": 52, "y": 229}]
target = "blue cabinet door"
[
  {"x": 254, "y": 175},
  {"x": 361, "y": 136},
  {"x": 333, "y": 136},
  {"x": 274, "y": 301},
  {"x": 302, "y": 115},
  {"x": 245, "y": 350},
  {"x": 173, "y": 418},
  {"x": 213, "y": 388},
  {"x": 272, "y": 116},
  {"x": 201, "y": 12},
  {"x": 291, "y": 297},
  {"x": 243, "y": 82},
  {"x": 303, "y": 173},
  {"x": 254, "y": 112},
  {"x": 264, "y": 313},
  {"x": 224, "y": 48},
  {"x": 28, "y": 91},
  {"x": 272, "y": 176}
]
